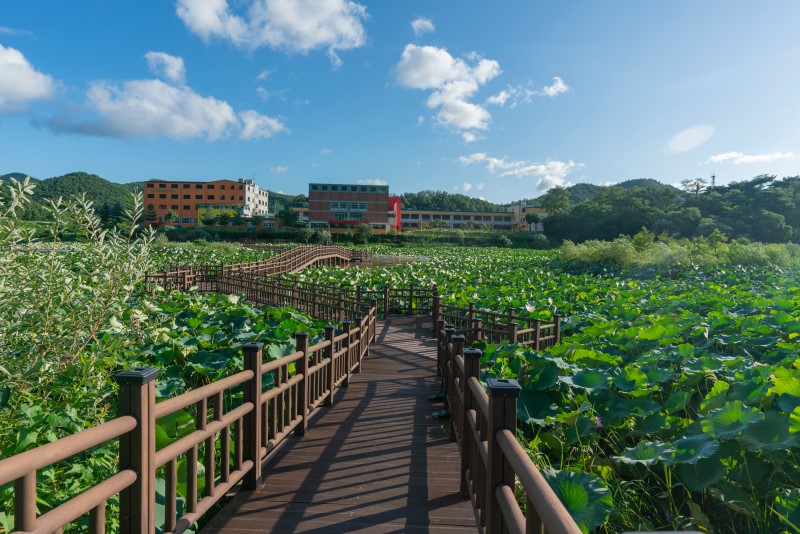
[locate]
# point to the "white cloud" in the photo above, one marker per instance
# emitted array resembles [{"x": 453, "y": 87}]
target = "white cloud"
[
  {"x": 5, "y": 30},
  {"x": 739, "y": 158},
  {"x": 453, "y": 82},
  {"x": 690, "y": 138},
  {"x": 549, "y": 174},
  {"x": 167, "y": 66},
  {"x": 466, "y": 187},
  {"x": 255, "y": 125},
  {"x": 263, "y": 75},
  {"x": 420, "y": 120},
  {"x": 422, "y": 25},
  {"x": 375, "y": 181},
  {"x": 516, "y": 94},
  {"x": 556, "y": 88},
  {"x": 280, "y": 169},
  {"x": 20, "y": 82},
  {"x": 291, "y": 25},
  {"x": 326, "y": 151},
  {"x": 262, "y": 93},
  {"x": 154, "y": 108},
  {"x": 469, "y": 137}
]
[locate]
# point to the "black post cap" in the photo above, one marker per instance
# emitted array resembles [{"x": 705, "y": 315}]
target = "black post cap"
[
  {"x": 473, "y": 353},
  {"x": 330, "y": 327},
  {"x": 136, "y": 376},
  {"x": 503, "y": 387},
  {"x": 252, "y": 346},
  {"x": 458, "y": 338},
  {"x": 300, "y": 334}
]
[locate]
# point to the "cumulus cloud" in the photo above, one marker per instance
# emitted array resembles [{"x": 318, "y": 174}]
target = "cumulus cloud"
[
  {"x": 466, "y": 187},
  {"x": 155, "y": 108},
  {"x": 690, "y": 138},
  {"x": 555, "y": 89},
  {"x": 280, "y": 169},
  {"x": 326, "y": 151},
  {"x": 263, "y": 75},
  {"x": 738, "y": 158},
  {"x": 420, "y": 120},
  {"x": 374, "y": 181},
  {"x": 422, "y": 25},
  {"x": 469, "y": 137},
  {"x": 20, "y": 82},
  {"x": 548, "y": 174},
  {"x": 166, "y": 66},
  {"x": 453, "y": 82},
  {"x": 291, "y": 25}
]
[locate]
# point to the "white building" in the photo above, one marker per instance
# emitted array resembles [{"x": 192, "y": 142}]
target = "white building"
[{"x": 256, "y": 200}]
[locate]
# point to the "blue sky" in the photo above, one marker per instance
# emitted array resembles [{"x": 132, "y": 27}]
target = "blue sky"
[{"x": 495, "y": 100}]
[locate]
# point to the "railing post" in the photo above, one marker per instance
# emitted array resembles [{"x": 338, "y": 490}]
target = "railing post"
[
  {"x": 252, "y": 421},
  {"x": 411, "y": 299},
  {"x": 478, "y": 330},
  {"x": 340, "y": 313},
  {"x": 557, "y": 321},
  {"x": 472, "y": 367},
  {"x": 373, "y": 322},
  {"x": 348, "y": 354},
  {"x": 449, "y": 331},
  {"x": 512, "y": 327},
  {"x": 137, "y": 449},
  {"x": 437, "y": 303},
  {"x": 537, "y": 334},
  {"x": 301, "y": 344},
  {"x": 295, "y": 293},
  {"x": 503, "y": 395},
  {"x": 330, "y": 333},
  {"x": 314, "y": 310},
  {"x": 471, "y": 315},
  {"x": 458, "y": 348},
  {"x": 385, "y": 302},
  {"x": 440, "y": 347}
]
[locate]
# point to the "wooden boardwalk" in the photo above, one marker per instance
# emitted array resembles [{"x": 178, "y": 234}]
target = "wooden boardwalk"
[{"x": 377, "y": 462}]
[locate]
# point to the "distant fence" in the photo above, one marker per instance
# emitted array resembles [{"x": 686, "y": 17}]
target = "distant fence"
[{"x": 245, "y": 433}]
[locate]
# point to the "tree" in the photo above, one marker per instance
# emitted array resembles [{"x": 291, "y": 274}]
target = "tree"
[
  {"x": 362, "y": 233},
  {"x": 150, "y": 213},
  {"x": 324, "y": 237},
  {"x": 556, "y": 201},
  {"x": 533, "y": 219},
  {"x": 694, "y": 186},
  {"x": 305, "y": 234},
  {"x": 224, "y": 218},
  {"x": 288, "y": 218},
  {"x": 170, "y": 217}
]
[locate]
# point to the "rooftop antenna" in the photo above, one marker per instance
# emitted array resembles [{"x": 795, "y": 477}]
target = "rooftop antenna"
[{"x": 713, "y": 179}]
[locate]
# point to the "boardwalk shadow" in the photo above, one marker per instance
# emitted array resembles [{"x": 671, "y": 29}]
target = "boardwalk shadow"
[{"x": 376, "y": 462}]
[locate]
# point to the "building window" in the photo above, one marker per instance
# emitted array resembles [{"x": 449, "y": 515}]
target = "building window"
[
  {"x": 315, "y": 188},
  {"x": 162, "y": 207},
  {"x": 222, "y": 186},
  {"x": 174, "y": 186},
  {"x": 324, "y": 187},
  {"x": 151, "y": 206},
  {"x": 362, "y": 188},
  {"x": 210, "y": 186},
  {"x": 162, "y": 195},
  {"x": 150, "y": 195},
  {"x": 186, "y": 220},
  {"x": 210, "y": 197},
  {"x": 173, "y": 196},
  {"x": 358, "y": 216},
  {"x": 222, "y": 197},
  {"x": 198, "y": 186},
  {"x": 151, "y": 185},
  {"x": 187, "y": 186},
  {"x": 162, "y": 186},
  {"x": 174, "y": 206},
  {"x": 187, "y": 208},
  {"x": 340, "y": 216},
  {"x": 187, "y": 197},
  {"x": 241, "y": 198},
  {"x": 198, "y": 197}
]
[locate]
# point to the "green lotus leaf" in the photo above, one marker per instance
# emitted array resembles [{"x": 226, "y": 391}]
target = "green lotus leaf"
[
  {"x": 794, "y": 421},
  {"x": 729, "y": 421},
  {"x": 534, "y": 407},
  {"x": 786, "y": 382},
  {"x": 631, "y": 380},
  {"x": 646, "y": 453},
  {"x": 715, "y": 398},
  {"x": 652, "y": 333},
  {"x": 588, "y": 379},
  {"x": 770, "y": 434},
  {"x": 787, "y": 507},
  {"x": 703, "y": 473},
  {"x": 583, "y": 495},
  {"x": 691, "y": 449},
  {"x": 678, "y": 401}
]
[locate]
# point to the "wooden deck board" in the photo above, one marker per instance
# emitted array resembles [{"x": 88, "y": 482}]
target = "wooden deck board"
[{"x": 377, "y": 462}]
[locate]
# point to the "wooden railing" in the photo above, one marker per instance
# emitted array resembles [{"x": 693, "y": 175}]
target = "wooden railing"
[
  {"x": 204, "y": 276},
  {"x": 492, "y": 460},
  {"x": 246, "y": 426}
]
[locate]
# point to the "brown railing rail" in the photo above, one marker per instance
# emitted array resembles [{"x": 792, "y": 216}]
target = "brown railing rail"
[
  {"x": 484, "y": 425},
  {"x": 246, "y": 432}
]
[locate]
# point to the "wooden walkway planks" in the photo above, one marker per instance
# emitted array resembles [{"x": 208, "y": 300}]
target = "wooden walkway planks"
[{"x": 376, "y": 462}]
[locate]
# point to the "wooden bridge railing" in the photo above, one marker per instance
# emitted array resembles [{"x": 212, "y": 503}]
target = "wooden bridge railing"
[
  {"x": 245, "y": 432},
  {"x": 484, "y": 425},
  {"x": 205, "y": 276}
]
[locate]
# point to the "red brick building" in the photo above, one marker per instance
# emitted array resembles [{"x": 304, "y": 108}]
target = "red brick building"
[{"x": 340, "y": 207}]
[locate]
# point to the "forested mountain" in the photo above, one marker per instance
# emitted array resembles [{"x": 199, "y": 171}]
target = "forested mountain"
[
  {"x": 443, "y": 201},
  {"x": 280, "y": 201},
  {"x": 763, "y": 209}
]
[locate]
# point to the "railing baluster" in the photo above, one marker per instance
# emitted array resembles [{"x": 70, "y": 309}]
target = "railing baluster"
[
  {"x": 330, "y": 331},
  {"x": 171, "y": 497},
  {"x": 252, "y": 421},
  {"x": 503, "y": 395},
  {"x": 25, "y": 502},
  {"x": 301, "y": 343}
]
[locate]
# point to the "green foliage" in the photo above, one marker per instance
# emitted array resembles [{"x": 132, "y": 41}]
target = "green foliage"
[
  {"x": 443, "y": 201},
  {"x": 362, "y": 233}
]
